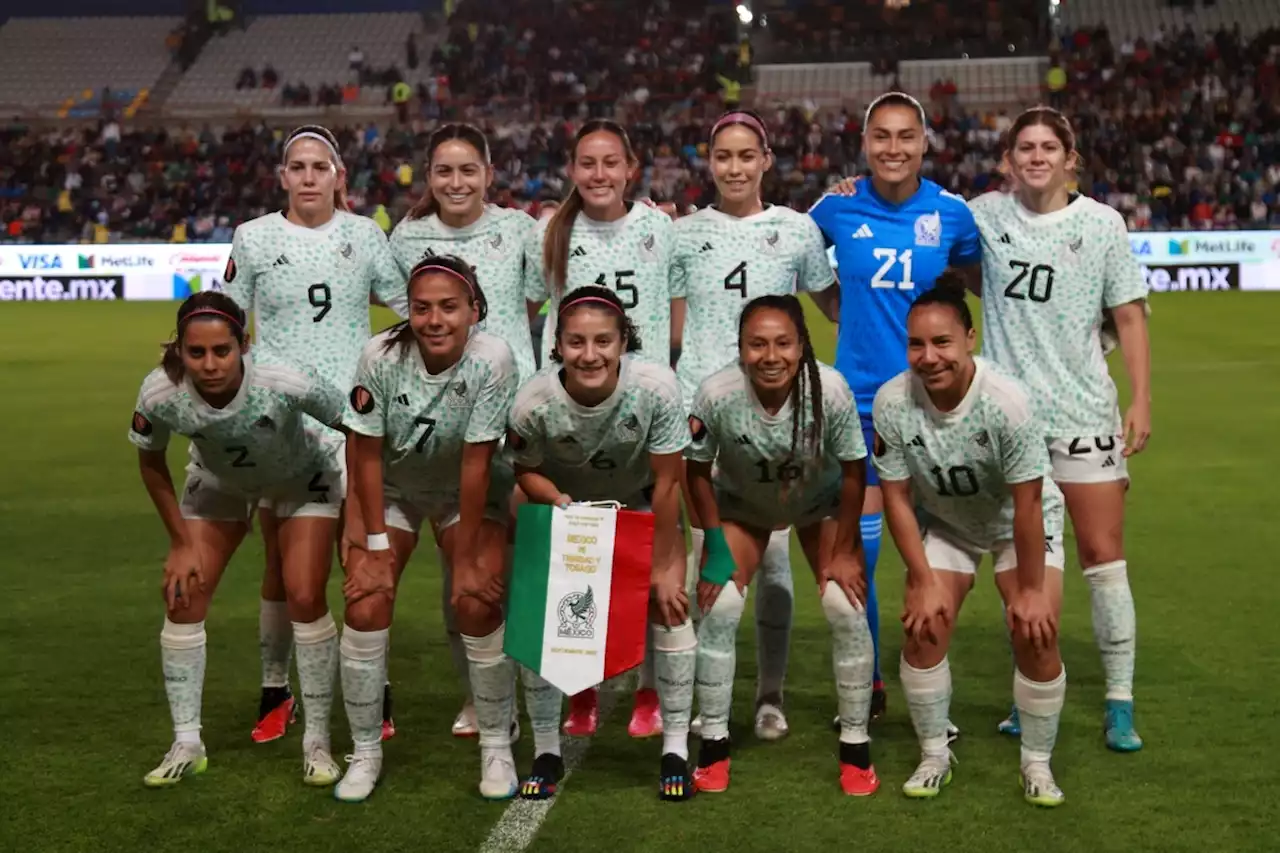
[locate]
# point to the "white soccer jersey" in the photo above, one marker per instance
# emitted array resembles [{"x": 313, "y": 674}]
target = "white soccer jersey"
[
  {"x": 308, "y": 288},
  {"x": 494, "y": 245},
  {"x": 631, "y": 255},
  {"x": 961, "y": 463},
  {"x": 752, "y": 449},
  {"x": 722, "y": 262},
  {"x": 259, "y": 439},
  {"x": 426, "y": 419},
  {"x": 601, "y": 452},
  {"x": 1046, "y": 280}
]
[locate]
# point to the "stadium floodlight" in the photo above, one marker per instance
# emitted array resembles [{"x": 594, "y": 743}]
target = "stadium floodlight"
[{"x": 744, "y": 14}]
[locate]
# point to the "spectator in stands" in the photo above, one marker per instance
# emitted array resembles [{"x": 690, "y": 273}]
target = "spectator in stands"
[
  {"x": 248, "y": 79},
  {"x": 411, "y": 51},
  {"x": 270, "y": 77}
]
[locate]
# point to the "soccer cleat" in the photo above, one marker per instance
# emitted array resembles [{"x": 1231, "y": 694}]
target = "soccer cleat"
[
  {"x": 646, "y": 715},
  {"x": 1011, "y": 725},
  {"x": 712, "y": 775},
  {"x": 858, "y": 782},
  {"x": 544, "y": 778},
  {"x": 498, "y": 779},
  {"x": 675, "y": 784},
  {"x": 465, "y": 725},
  {"x": 277, "y": 709},
  {"x": 1118, "y": 726},
  {"x": 771, "y": 723},
  {"x": 953, "y": 732},
  {"x": 388, "y": 724},
  {"x": 932, "y": 774},
  {"x": 879, "y": 701},
  {"x": 182, "y": 760},
  {"x": 363, "y": 772},
  {"x": 319, "y": 770},
  {"x": 584, "y": 714},
  {"x": 695, "y": 727},
  {"x": 1038, "y": 787}
]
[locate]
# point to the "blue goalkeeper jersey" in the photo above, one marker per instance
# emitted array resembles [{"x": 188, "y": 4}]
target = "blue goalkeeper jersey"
[{"x": 886, "y": 255}]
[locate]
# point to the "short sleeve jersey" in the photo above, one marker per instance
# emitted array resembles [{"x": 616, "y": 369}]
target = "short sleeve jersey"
[
  {"x": 961, "y": 463},
  {"x": 494, "y": 244},
  {"x": 752, "y": 450},
  {"x": 598, "y": 453},
  {"x": 425, "y": 419},
  {"x": 259, "y": 439},
  {"x": 631, "y": 255},
  {"x": 1046, "y": 280},
  {"x": 722, "y": 262},
  {"x": 309, "y": 288},
  {"x": 887, "y": 255}
]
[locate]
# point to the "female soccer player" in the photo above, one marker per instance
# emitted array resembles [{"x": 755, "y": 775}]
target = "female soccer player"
[
  {"x": 250, "y": 442},
  {"x": 892, "y": 239},
  {"x": 430, "y": 403},
  {"x": 962, "y": 455},
  {"x": 781, "y": 432},
  {"x": 307, "y": 274},
  {"x": 628, "y": 432},
  {"x": 597, "y": 236},
  {"x": 453, "y": 219},
  {"x": 1054, "y": 266},
  {"x": 726, "y": 254}
]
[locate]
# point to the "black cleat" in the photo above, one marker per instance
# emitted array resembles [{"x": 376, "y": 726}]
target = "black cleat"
[
  {"x": 544, "y": 778},
  {"x": 676, "y": 784}
]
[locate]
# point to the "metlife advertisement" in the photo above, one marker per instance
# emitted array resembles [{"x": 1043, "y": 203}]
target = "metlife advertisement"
[{"x": 1171, "y": 261}]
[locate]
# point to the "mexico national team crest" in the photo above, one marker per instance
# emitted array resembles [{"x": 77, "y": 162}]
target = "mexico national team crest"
[
  {"x": 495, "y": 246},
  {"x": 458, "y": 394},
  {"x": 649, "y": 247},
  {"x": 929, "y": 229},
  {"x": 347, "y": 251},
  {"x": 770, "y": 242},
  {"x": 577, "y": 613},
  {"x": 630, "y": 425}
]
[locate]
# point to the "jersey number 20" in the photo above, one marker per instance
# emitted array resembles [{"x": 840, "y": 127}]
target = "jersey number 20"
[{"x": 890, "y": 258}]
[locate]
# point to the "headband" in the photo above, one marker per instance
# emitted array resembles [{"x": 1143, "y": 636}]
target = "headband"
[
  {"x": 741, "y": 118},
  {"x": 212, "y": 312},
  {"x": 311, "y": 134},
  {"x": 581, "y": 299},
  {"x": 421, "y": 268},
  {"x": 897, "y": 96}
]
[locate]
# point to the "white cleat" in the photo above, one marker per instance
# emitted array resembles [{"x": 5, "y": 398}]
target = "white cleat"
[
  {"x": 771, "y": 723},
  {"x": 465, "y": 725},
  {"x": 319, "y": 770},
  {"x": 498, "y": 779},
  {"x": 182, "y": 760},
  {"x": 930, "y": 777},
  {"x": 364, "y": 769},
  {"x": 1038, "y": 786}
]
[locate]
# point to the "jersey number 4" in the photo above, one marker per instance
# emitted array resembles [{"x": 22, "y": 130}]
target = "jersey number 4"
[
  {"x": 890, "y": 258},
  {"x": 625, "y": 287},
  {"x": 737, "y": 279}
]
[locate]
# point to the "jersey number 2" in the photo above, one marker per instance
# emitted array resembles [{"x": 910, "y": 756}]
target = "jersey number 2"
[{"x": 890, "y": 257}]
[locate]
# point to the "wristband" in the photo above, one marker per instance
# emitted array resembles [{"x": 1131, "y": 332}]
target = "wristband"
[
  {"x": 377, "y": 542},
  {"x": 719, "y": 567}
]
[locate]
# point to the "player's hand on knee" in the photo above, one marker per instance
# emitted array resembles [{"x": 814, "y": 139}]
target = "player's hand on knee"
[
  {"x": 1031, "y": 618},
  {"x": 926, "y": 608},
  {"x": 353, "y": 538},
  {"x": 846, "y": 571},
  {"x": 473, "y": 579},
  {"x": 708, "y": 592},
  {"x": 672, "y": 599},
  {"x": 183, "y": 576},
  {"x": 369, "y": 573}
]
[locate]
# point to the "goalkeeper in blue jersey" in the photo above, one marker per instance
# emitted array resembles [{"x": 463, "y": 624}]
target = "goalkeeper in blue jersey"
[{"x": 891, "y": 240}]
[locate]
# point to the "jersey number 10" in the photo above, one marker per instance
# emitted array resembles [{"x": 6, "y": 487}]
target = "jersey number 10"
[{"x": 890, "y": 258}]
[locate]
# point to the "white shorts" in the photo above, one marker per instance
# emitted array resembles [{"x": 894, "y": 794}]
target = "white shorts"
[
  {"x": 1090, "y": 459},
  {"x": 404, "y": 513},
  {"x": 824, "y": 505},
  {"x": 316, "y": 495},
  {"x": 949, "y": 554}
]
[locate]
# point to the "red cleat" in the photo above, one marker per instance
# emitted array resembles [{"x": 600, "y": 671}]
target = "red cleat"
[
  {"x": 857, "y": 782},
  {"x": 275, "y": 722},
  {"x": 388, "y": 724},
  {"x": 584, "y": 714},
  {"x": 646, "y": 715},
  {"x": 713, "y": 779}
]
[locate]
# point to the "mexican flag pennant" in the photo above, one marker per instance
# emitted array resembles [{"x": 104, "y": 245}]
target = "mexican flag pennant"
[{"x": 579, "y": 595}]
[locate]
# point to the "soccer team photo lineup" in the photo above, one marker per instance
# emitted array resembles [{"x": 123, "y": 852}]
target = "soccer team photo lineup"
[{"x": 494, "y": 460}]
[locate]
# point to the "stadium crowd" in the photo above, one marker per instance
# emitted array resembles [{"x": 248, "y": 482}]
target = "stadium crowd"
[{"x": 1177, "y": 131}]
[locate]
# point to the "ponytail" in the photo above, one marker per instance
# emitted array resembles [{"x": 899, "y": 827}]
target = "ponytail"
[{"x": 555, "y": 243}]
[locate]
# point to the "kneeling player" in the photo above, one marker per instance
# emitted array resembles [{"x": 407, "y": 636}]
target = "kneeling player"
[
  {"x": 610, "y": 427},
  {"x": 962, "y": 437},
  {"x": 782, "y": 432},
  {"x": 429, "y": 406},
  {"x": 245, "y": 419}
]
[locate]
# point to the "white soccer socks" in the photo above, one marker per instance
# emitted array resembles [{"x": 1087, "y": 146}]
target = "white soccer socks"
[
  {"x": 364, "y": 673},
  {"x": 853, "y": 659},
  {"x": 493, "y": 683},
  {"x": 716, "y": 661},
  {"x": 1115, "y": 625},
  {"x": 182, "y": 655},
  {"x": 544, "y": 703},
  {"x": 928, "y": 695},
  {"x": 317, "y": 650},
  {"x": 775, "y": 600},
  {"x": 675, "y": 658},
  {"x": 1039, "y": 707},
  {"x": 275, "y": 642}
]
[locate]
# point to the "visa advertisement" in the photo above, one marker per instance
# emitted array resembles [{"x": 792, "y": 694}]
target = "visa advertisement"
[{"x": 1171, "y": 261}]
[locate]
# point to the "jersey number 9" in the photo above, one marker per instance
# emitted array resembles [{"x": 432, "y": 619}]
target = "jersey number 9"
[{"x": 320, "y": 297}]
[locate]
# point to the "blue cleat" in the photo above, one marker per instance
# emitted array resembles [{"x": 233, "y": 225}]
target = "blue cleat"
[
  {"x": 1118, "y": 726},
  {"x": 1011, "y": 725}
]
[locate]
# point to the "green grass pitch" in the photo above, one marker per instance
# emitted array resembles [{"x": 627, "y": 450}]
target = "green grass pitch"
[{"x": 83, "y": 714}]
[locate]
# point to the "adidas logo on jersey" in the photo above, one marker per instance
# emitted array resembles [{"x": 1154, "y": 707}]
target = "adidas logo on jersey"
[
  {"x": 706, "y": 247},
  {"x": 1005, "y": 238},
  {"x": 403, "y": 399},
  {"x": 429, "y": 253},
  {"x": 742, "y": 440},
  {"x": 864, "y": 230},
  {"x": 918, "y": 441},
  {"x": 282, "y": 261},
  {"x": 1109, "y": 462},
  {"x": 579, "y": 252}
]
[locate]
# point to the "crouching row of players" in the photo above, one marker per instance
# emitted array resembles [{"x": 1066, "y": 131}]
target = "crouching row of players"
[{"x": 772, "y": 441}]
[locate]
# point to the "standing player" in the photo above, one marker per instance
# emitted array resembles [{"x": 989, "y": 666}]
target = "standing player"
[
  {"x": 597, "y": 237},
  {"x": 963, "y": 468},
  {"x": 307, "y": 274},
  {"x": 453, "y": 219},
  {"x": 725, "y": 255},
  {"x": 608, "y": 426},
  {"x": 780, "y": 430},
  {"x": 250, "y": 441},
  {"x": 892, "y": 240},
  {"x": 430, "y": 403},
  {"x": 1054, "y": 265}
]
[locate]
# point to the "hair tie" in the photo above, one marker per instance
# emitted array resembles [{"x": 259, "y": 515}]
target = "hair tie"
[
  {"x": 565, "y": 306},
  {"x": 212, "y": 312},
  {"x": 311, "y": 134},
  {"x": 427, "y": 267}
]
